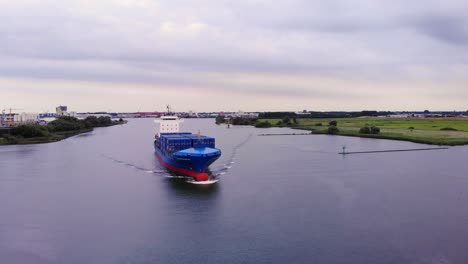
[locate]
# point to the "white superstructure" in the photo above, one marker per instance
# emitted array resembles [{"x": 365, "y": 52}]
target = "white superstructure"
[{"x": 169, "y": 124}]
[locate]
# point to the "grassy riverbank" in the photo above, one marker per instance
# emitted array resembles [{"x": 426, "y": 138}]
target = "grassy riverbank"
[
  {"x": 437, "y": 131},
  {"x": 54, "y": 131},
  {"x": 53, "y": 137}
]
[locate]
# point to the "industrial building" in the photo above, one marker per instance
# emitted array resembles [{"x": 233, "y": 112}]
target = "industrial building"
[{"x": 13, "y": 119}]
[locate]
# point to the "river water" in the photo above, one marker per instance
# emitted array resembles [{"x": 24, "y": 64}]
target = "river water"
[{"x": 102, "y": 197}]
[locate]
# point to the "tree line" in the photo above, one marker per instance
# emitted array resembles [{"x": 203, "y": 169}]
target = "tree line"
[
  {"x": 61, "y": 124},
  {"x": 280, "y": 115}
]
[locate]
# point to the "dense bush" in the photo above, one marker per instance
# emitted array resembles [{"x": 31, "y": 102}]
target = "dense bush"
[
  {"x": 240, "y": 121},
  {"x": 65, "y": 123},
  {"x": 286, "y": 120},
  {"x": 263, "y": 124},
  {"x": 375, "y": 130},
  {"x": 369, "y": 130},
  {"x": 333, "y": 130},
  {"x": 449, "y": 129},
  {"x": 275, "y": 115},
  {"x": 333, "y": 123},
  {"x": 220, "y": 120},
  {"x": 10, "y": 139},
  {"x": 364, "y": 130},
  {"x": 91, "y": 121},
  {"x": 30, "y": 130},
  {"x": 105, "y": 120}
]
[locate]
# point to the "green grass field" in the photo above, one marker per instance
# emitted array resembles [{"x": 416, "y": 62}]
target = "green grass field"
[{"x": 426, "y": 131}]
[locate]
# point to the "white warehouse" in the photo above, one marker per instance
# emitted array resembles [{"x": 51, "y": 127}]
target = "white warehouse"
[{"x": 25, "y": 118}]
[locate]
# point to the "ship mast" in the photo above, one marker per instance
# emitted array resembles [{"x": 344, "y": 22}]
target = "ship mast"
[{"x": 168, "y": 107}]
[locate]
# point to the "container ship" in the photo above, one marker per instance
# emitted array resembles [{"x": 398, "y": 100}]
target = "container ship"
[{"x": 183, "y": 152}]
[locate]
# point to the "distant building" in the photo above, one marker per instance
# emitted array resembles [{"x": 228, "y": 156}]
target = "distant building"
[
  {"x": 147, "y": 114},
  {"x": 6, "y": 120},
  {"x": 61, "y": 110},
  {"x": 25, "y": 118},
  {"x": 85, "y": 115},
  {"x": 241, "y": 114},
  {"x": 13, "y": 119},
  {"x": 45, "y": 118}
]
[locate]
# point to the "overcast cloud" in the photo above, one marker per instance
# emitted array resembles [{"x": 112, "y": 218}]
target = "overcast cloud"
[{"x": 125, "y": 55}]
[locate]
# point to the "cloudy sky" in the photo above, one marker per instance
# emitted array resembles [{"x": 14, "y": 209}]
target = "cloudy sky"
[{"x": 130, "y": 55}]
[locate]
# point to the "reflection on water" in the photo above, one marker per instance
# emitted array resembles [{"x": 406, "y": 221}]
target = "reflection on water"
[
  {"x": 185, "y": 189},
  {"x": 84, "y": 135},
  {"x": 17, "y": 150}
]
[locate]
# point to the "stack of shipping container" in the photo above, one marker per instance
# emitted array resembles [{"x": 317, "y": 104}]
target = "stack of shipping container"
[{"x": 173, "y": 142}]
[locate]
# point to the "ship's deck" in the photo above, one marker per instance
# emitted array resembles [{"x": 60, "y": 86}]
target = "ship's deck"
[{"x": 198, "y": 152}]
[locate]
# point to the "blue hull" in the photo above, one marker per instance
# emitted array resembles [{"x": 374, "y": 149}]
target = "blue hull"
[{"x": 192, "y": 162}]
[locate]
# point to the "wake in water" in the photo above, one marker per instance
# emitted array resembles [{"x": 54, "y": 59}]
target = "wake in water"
[
  {"x": 163, "y": 173},
  {"x": 146, "y": 170},
  {"x": 191, "y": 181},
  {"x": 208, "y": 182},
  {"x": 214, "y": 175},
  {"x": 231, "y": 161}
]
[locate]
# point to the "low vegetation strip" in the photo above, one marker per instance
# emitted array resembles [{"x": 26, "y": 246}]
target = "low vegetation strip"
[
  {"x": 390, "y": 150},
  {"x": 56, "y": 130},
  {"x": 436, "y": 131},
  {"x": 460, "y": 124}
]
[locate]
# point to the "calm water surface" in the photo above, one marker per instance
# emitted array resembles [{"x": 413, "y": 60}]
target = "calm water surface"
[{"x": 103, "y": 198}]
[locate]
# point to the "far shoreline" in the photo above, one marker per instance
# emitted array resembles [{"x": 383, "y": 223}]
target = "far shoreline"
[
  {"x": 52, "y": 137},
  {"x": 44, "y": 140},
  {"x": 431, "y": 131},
  {"x": 383, "y": 136}
]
